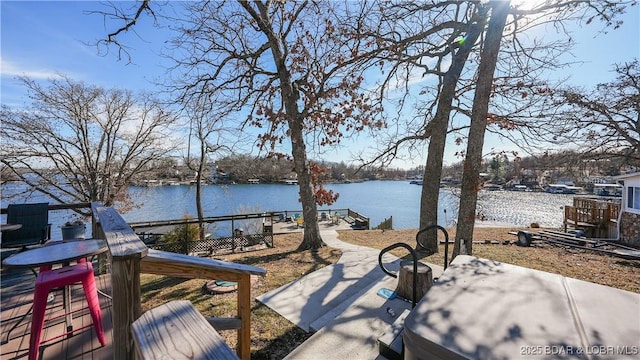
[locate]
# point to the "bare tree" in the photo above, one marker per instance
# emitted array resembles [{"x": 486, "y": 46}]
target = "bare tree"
[
  {"x": 208, "y": 129},
  {"x": 520, "y": 60},
  {"x": 434, "y": 39},
  {"x": 81, "y": 143},
  {"x": 473, "y": 160},
  {"x": 604, "y": 120},
  {"x": 289, "y": 66},
  {"x": 429, "y": 36}
]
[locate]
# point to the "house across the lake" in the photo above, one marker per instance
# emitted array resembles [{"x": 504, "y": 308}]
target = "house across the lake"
[{"x": 630, "y": 218}]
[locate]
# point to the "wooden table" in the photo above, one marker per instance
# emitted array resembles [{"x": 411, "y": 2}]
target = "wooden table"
[{"x": 57, "y": 252}]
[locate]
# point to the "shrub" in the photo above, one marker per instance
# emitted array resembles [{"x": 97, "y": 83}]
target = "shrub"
[{"x": 183, "y": 232}]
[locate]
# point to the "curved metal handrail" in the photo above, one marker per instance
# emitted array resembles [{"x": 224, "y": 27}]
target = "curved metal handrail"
[
  {"x": 446, "y": 240},
  {"x": 415, "y": 266}
]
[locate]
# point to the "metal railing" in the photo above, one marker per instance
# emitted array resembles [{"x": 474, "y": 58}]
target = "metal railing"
[{"x": 414, "y": 277}]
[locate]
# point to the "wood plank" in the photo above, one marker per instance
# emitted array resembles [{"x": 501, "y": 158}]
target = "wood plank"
[
  {"x": 244, "y": 313},
  {"x": 126, "y": 250},
  {"x": 579, "y": 223},
  {"x": 180, "y": 265},
  {"x": 565, "y": 236},
  {"x": 177, "y": 330},
  {"x": 123, "y": 241},
  {"x": 225, "y": 323}
]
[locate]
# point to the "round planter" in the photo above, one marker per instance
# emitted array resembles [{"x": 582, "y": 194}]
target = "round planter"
[{"x": 73, "y": 232}]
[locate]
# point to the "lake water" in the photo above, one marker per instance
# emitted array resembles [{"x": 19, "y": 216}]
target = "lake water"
[{"x": 376, "y": 199}]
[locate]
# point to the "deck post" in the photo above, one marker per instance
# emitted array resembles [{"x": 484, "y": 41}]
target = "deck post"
[
  {"x": 244, "y": 313},
  {"x": 127, "y": 250},
  {"x": 125, "y": 280}
]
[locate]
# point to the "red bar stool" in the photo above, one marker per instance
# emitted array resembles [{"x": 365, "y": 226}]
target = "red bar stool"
[{"x": 65, "y": 276}]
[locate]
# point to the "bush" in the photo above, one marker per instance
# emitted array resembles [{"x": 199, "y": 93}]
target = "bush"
[{"x": 183, "y": 232}]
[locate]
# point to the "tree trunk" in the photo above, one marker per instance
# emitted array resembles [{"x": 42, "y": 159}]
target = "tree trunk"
[
  {"x": 290, "y": 96},
  {"x": 424, "y": 280},
  {"x": 473, "y": 159},
  {"x": 199, "y": 209},
  {"x": 311, "y": 235},
  {"x": 311, "y": 238},
  {"x": 439, "y": 125}
]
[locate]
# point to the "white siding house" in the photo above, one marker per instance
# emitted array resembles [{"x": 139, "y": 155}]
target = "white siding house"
[{"x": 630, "y": 219}]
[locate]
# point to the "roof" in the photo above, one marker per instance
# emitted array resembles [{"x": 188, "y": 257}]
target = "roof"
[{"x": 626, "y": 176}]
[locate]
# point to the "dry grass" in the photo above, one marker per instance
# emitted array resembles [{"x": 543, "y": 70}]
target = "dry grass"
[{"x": 272, "y": 336}]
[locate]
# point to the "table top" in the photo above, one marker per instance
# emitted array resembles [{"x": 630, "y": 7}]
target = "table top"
[
  {"x": 10, "y": 227},
  {"x": 56, "y": 253}
]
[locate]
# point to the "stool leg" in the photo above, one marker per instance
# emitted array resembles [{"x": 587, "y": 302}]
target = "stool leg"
[
  {"x": 66, "y": 304},
  {"x": 37, "y": 320},
  {"x": 91, "y": 292}
]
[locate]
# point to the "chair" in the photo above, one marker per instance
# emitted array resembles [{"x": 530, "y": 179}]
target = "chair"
[
  {"x": 335, "y": 219},
  {"x": 35, "y": 229},
  {"x": 52, "y": 279}
]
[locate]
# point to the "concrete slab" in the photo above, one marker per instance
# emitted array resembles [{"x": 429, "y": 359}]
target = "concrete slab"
[
  {"x": 353, "y": 334},
  {"x": 307, "y": 299},
  {"x": 311, "y": 297},
  {"x": 340, "y": 302}
]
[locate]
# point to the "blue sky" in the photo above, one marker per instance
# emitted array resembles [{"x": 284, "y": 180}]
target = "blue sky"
[{"x": 40, "y": 39}]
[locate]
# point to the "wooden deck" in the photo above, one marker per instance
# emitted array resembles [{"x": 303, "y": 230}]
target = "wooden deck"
[{"x": 16, "y": 288}]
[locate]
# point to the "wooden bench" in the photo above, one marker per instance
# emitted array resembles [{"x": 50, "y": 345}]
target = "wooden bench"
[
  {"x": 177, "y": 330},
  {"x": 362, "y": 223}
]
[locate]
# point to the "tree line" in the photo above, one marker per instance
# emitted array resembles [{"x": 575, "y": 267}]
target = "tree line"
[
  {"x": 501, "y": 169},
  {"x": 307, "y": 74}
]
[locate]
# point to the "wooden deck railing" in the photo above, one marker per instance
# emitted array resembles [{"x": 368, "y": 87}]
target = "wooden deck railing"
[
  {"x": 598, "y": 216},
  {"x": 130, "y": 257}
]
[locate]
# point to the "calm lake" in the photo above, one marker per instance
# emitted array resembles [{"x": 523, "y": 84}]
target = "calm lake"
[{"x": 376, "y": 199}]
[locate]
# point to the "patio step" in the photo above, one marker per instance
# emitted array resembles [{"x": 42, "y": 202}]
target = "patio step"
[{"x": 390, "y": 342}]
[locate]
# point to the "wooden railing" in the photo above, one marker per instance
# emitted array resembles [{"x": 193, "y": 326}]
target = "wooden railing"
[
  {"x": 595, "y": 216},
  {"x": 130, "y": 257},
  {"x": 387, "y": 224},
  {"x": 359, "y": 219}
]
